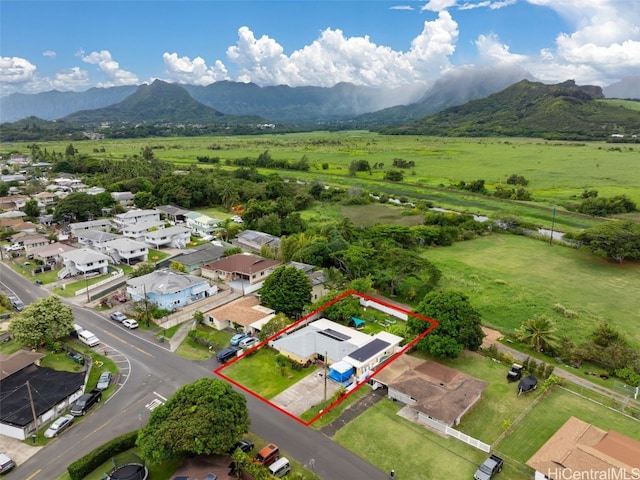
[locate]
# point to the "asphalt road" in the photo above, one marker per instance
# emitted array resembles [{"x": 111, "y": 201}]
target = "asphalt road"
[{"x": 152, "y": 374}]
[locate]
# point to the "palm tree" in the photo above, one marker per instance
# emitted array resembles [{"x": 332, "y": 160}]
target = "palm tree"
[{"x": 539, "y": 332}]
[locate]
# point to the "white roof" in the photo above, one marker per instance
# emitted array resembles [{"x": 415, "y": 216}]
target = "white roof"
[{"x": 84, "y": 255}]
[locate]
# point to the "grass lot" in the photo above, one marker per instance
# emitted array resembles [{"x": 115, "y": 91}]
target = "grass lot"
[
  {"x": 336, "y": 411},
  {"x": 260, "y": 374},
  {"x": 549, "y": 415},
  {"x": 415, "y": 453},
  {"x": 511, "y": 278},
  {"x": 192, "y": 350}
]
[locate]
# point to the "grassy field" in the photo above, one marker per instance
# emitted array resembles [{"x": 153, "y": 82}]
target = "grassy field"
[
  {"x": 558, "y": 171},
  {"x": 509, "y": 279}
]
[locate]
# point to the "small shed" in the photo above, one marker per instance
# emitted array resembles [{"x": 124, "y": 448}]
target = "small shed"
[{"x": 341, "y": 371}]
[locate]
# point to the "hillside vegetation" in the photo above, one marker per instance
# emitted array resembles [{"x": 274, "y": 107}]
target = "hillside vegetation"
[{"x": 532, "y": 109}]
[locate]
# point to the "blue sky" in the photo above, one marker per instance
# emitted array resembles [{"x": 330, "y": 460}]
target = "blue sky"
[{"x": 75, "y": 45}]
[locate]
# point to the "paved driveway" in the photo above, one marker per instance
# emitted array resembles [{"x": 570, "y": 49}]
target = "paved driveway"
[{"x": 306, "y": 393}]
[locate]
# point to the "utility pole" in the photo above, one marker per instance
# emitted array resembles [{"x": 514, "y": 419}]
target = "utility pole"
[
  {"x": 146, "y": 305},
  {"x": 33, "y": 407},
  {"x": 553, "y": 221},
  {"x": 326, "y": 361}
]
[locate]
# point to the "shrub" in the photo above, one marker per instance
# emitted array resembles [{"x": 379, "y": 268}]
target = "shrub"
[{"x": 87, "y": 464}]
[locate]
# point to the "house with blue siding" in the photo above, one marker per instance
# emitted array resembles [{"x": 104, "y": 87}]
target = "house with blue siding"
[{"x": 169, "y": 289}]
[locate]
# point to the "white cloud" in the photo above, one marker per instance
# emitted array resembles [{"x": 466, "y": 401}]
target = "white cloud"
[
  {"x": 110, "y": 68},
  {"x": 334, "y": 58},
  {"x": 71, "y": 79},
  {"x": 491, "y": 50},
  {"x": 16, "y": 70},
  {"x": 402, "y": 7},
  {"x": 49, "y": 53},
  {"x": 194, "y": 72},
  {"x": 491, "y": 5},
  {"x": 439, "y": 5}
]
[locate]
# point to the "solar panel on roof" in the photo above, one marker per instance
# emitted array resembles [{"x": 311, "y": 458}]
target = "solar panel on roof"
[
  {"x": 329, "y": 332},
  {"x": 369, "y": 350}
]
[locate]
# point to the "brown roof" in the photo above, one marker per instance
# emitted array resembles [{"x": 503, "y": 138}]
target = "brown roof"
[
  {"x": 243, "y": 311},
  {"x": 52, "y": 249},
  {"x": 15, "y": 362},
  {"x": 441, "y": 392},
  {"x": 580, "y": 447},
  {"x": 242, "y": 263}
]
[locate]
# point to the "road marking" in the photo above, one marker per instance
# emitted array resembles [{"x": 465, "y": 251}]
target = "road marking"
[
  {"x": 154, "y": 404},
  {"x": 129, "y": 344},
  {"x": 34, "y": 474},
  {"x": 158, "y": 395}
]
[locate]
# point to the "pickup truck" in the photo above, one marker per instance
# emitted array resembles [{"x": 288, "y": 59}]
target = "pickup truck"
[
  {"x": 85, "y": 402},
  {"x": 489, "y": 468}
]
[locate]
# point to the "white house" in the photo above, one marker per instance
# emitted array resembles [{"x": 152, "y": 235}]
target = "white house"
[
  {"x": 95, "y": 239},
  {"x": 172, "y": 237},
  {"x": 123, "y": 198},
  {"x": 124, "y": 250},
  {"x": 103, "y": 224},
  {"x": 83, "y": 261},
  {"x": 200, "y": 224},
  {"x": 137, "y": 231},
  {"x": 122, "y": 220}
]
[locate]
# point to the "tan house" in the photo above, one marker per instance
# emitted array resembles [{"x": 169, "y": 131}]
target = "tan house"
[
  {"x": 243, "y": 269},
  {"x": 244, "y": 312},
  {"x": 51, "y": 253},
  {"x": 580, "y": 450},
  {"x": 438, "y": 395}
]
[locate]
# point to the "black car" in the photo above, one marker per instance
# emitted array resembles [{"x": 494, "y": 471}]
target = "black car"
[
  {"x": 245, "y": 445},
  {"x": 85, "y": 402}
]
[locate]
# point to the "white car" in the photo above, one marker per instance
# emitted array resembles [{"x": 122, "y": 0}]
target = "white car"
[
  {"x": 58, "y": 426},
  {"x": 130, "y": 323},
  {"x": 248, "y": 342}
]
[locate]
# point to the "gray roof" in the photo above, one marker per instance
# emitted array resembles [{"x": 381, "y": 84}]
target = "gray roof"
[
  {"x": 143, "y": 226},
  {"x": 125, "y": 244},
  {"x": 172, "y": 210},
  {"x": 165, "y": 281},
  {"x": 122, "y": 195},
  {"x": 90, "y": 224},
  {"x": 167, "y": 232},
  {"x": 84, "y": 255},
  {"x": 97, "y": 235},
  {"x": 260, "y": 238},
  {"x": 202, "y": 254},
  {"x": 136, "y": 213},
  {"x": 311, "y": 340}
]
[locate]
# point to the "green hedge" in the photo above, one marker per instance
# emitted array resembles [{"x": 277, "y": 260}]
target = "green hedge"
[{"x": 87, "y": 464}]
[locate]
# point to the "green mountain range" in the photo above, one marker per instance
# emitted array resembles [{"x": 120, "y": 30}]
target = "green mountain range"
[{"x": 531, "y": 109}]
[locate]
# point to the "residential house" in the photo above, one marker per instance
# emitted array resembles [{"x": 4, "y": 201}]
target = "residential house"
[
  {"x": 137, "y": 231},
  {"x": 201, "y": 225},
  {"x": 29, "y": 391},
  {"x": 122, "y": 220},
  {"x": 125, "y": 250},
  {"x": 30, "y": 240},
  {"x": 95, "y": 190},
  {"x": 242, "y": 271},
  {"x": 316, "y": 277},
  {"x": 123, "y": 198},
  {"x": 46, "y": 199},
  {"x": 438, "y": 395},
  {"x": 13, "y": 214},
  {"x": 169, "y": 289},
  {"x": 171, "y": 237},
  {"x": 13, "y": 177},
  {"x": 252, "y": 240},
  {"x": 102, "y": 224},
  {"x": 172, "y": 213},
  {"x": 194, "y": 258},
  {"x": 18, "y": 225},
  {"x": 580, "y": 450},
  {"x": 50, "y": 254},
  {"x": 13, "y": 202},
  {"x": 83, "y": 261},
  {"x": 240, "y": 313},
  {"x": 95, "y": 239}
]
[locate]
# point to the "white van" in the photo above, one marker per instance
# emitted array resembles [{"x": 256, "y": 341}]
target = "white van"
[
  {"x": 280, "y": 467},
  {"x": 88, "y": 338}
]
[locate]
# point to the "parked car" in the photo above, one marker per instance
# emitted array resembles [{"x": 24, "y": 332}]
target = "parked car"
[
  {"x": 245, "y": 445},
  {"x": 267, "y": 455},
  {"x": 489, "y": 468},
  {"x": 57, "y": 427},
  {"x": 16, "y": 303},
  {"x": 104, "y": 381},
  {"x": 130, "y": 323},
  {"x": 120, "y": 297},
  {"x": 515, "y": 373},
  {"x": 85, "y": 402},
  {"x": 248, "y": 342},
  {"x": 227, "y": 354},
  {"x": 6, "y": 463},
  {"x": 237, "y": 338},
  {"x": 118, "y": 316}
]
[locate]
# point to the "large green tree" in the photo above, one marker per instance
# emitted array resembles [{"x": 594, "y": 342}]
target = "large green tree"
[
  {"x": 78, "y": 207},
  {"x": 45, "y": 320},
  {"x": 616, "y": 240},
  {"x": 205, "y": 417},
  {"x": 459, "y": 324},
  {"x": 286, "y": 290}
]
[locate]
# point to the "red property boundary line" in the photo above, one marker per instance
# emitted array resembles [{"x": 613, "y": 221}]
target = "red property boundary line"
[{"x": 434, "y": 324}]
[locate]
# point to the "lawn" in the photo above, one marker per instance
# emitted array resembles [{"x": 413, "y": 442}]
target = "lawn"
[
  {"x": 549, "y": 415},
  {"x": 260, "y": 374},
  {"x": 389, "y": 441},
  {"x": 509, "y": 279}
]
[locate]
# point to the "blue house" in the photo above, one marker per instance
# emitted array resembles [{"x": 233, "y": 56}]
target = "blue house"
[{"x": 169, "y": 289}]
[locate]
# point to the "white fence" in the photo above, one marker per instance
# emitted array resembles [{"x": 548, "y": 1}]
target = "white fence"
[
  {"x": 474, "y": 442},
  {"x": 110, "y": 279}
]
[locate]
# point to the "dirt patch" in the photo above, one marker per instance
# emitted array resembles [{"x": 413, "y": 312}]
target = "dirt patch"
[{"x": 492, "y": 336}]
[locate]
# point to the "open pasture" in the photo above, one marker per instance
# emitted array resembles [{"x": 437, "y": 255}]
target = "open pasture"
[{"x": 557, "y": 171}]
